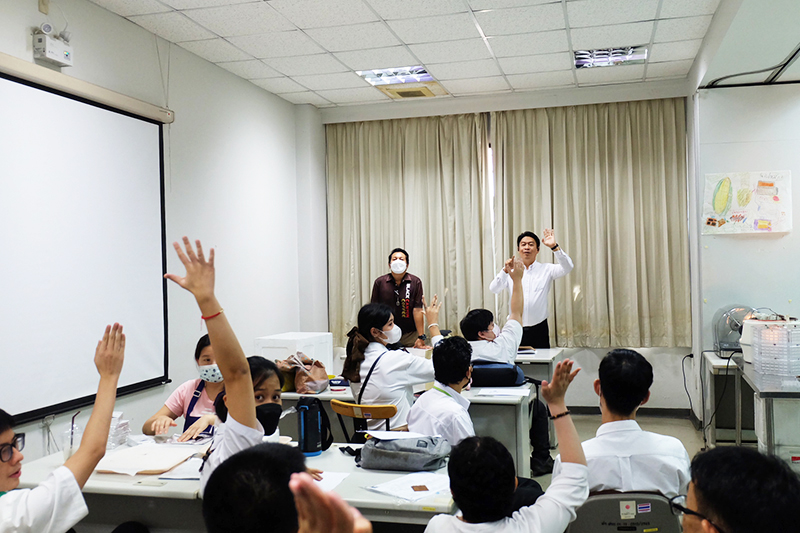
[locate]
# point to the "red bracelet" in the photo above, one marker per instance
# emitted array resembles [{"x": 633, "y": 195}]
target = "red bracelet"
[{"x": 212, "y": 316}]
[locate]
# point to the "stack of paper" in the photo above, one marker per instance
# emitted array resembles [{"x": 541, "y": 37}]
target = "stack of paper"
[
  {"x": 148, "y": 459},
  {"x": 414, "y": 487}
]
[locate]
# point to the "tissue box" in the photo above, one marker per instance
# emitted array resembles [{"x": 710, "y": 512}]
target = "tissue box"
[{"x": 316, "y": 345}]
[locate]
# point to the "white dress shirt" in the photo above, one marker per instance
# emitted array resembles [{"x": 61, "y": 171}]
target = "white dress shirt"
[
  {"x": 392, "y": 381},
  {"x": 441, "y": 411},
  {"x": 503, "y": 349},
  {"x": 624, "y": 457},
  {"x": 230, "y": 438},
  {"x": 536, "y": 283},
  {"x": 53, "y": 507},
  {"x": 551, "y": 513}
]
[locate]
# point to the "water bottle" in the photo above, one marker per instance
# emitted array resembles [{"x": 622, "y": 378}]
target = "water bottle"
[{"x": 309, "y": 426}]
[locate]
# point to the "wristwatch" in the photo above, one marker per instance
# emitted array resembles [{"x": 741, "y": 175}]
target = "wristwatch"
[
  {"x": 554, "y": 248},
  {"x": 423, "y": 337}
]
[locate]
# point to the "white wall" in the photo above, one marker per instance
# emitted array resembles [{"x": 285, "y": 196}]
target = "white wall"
[{"x": 233, "y": 161}]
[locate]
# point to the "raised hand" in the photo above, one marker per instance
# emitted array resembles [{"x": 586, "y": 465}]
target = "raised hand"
[
  {"x": 517, "y": 268},
  {"x": 110, "y": 352},
  {"x": 324, "y": 512},
  {"x": 508, "y": 266},
  {"x": 548, "y": 238},
  {"x": 199, "y": 278},
  {"x": 432, "y": 311},
  {"x": 553, "y": 392}
]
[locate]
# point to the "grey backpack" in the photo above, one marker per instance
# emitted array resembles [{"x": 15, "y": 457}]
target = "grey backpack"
[{"x": 410, "y": 455}]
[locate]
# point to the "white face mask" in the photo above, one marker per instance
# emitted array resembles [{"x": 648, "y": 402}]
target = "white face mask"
[
  {"x": 393, "y": 335},
  {"x": 399, "y": 266},
  {"x": 210, "y": 373},
  {"x": 496, "y": 330}
]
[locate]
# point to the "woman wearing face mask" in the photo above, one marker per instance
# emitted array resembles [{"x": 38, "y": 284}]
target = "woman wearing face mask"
[
  {"x": 381, "y": 376},
  {"x": 194, "y": 400},
  {"x": 402, "y": 292}
]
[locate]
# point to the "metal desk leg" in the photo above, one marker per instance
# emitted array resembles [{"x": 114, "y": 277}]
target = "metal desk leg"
[
  {"x": 769, "y": 426},
  {"x": 738, "y": 393}
]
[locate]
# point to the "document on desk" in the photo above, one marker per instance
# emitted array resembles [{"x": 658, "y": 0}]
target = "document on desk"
[
  {"x": 148, "y": 459},
  {"x": 394, "y": 435},
  {"x": 414, "y": 487},
  {"x": 187, "y": 470},
  {"x": 504, "y": 391},
  {"x": 330, "y": 480}
]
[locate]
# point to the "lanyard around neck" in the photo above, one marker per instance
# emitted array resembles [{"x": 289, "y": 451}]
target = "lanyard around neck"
[{"x": 442, "y": 391}]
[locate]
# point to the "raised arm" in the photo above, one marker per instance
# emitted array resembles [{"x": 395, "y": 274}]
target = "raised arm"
[
  {"x": 553, "y": 393},
  {"x": 432, "y": 316},
  {"x": 199, "y": 280},
  {"x": 517, "y": 298},
  {"x": 565, "y": 265},
  {"x": 108, "y": 358}
]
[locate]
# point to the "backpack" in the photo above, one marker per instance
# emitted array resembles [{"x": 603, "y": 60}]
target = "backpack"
[{"x": 488, "y": 374}]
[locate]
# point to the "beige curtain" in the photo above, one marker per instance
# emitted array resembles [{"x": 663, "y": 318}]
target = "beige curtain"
[
  {"x": 611, "y": 180},
  {"x": 418, "y": 184}
]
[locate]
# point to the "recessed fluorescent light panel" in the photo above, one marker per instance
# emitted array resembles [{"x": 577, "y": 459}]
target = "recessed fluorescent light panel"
[
  {"x": 626, "y": 55},
  {"x": 390, "y": 76}
]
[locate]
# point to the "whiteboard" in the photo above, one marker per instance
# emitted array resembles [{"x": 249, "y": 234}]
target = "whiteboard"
[{"x": 82, "y": 245}]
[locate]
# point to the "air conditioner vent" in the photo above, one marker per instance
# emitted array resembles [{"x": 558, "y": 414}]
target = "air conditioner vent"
[{"x": 400, "y": 91}]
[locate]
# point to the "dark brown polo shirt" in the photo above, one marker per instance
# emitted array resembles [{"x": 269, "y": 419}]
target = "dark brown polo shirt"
[{"x": 403, "y": 298}]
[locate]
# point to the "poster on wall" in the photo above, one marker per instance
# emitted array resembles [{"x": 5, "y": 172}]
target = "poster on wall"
[{"x": 747, "y": 202}]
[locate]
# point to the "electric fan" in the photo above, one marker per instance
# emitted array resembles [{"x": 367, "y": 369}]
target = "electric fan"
[{"x": 728, "y": 323}]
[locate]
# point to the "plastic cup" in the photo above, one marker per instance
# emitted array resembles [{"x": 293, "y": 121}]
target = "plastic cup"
[{"x": 71, "y": 440}]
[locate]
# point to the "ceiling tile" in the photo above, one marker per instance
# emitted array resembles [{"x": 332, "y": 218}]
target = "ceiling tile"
[
  {"x": 250, "y": 69},
  {"x": 617, "y": 35},
  {"x": 242, "y": 19},
  {"x": 477, "y": 85},
  {"x": 215, "y": 50},
  {"x": 304, "y": 65},
  {"x": 279, "y": 85},
  {"x": 524, "y": 44},
  {"x": 450, "y": 51},
  {"x": 174, "y": 27},
  {"x": 606, "y": 75},
  {"x": 319, "y": 14},
  {"x": 688, "y": 8},
  {"x": 354, "y": 37},
  {"x": 602, "y": 12},
  {"x": 434, "y": 29},
  {"x": 522, "y": 19},
  {"x": 674, "y": 51},
  {"x": 682, "y": 29},
  {"x": 669, "y": 69},
  {"x": 561, "y": 78},
  {"x": 306, "y": 98},
  {"x": 192, "y": 4},
  {"x": 354, "y": 96},
  {"x": 502, "y": 4},
  {"x": 537, "y": 63},
  {"x": 340, "y": 80},
  {"x": 127, "y": 8},
  {"x": 464, "y": 69},
  {"x": 392, "y": 9},
  {"x": 395, "y": 56},
  {"x": 278, "y": 44}
]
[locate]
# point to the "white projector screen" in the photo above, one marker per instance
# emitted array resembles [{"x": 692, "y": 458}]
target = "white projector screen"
[{"x": 83, "y": 244}]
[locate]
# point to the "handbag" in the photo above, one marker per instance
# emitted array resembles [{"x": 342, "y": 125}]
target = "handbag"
[
  {"x": 408, "y": 455},
  {"x": 308, "y": 375},
  {"x": 488, "y": 374}
]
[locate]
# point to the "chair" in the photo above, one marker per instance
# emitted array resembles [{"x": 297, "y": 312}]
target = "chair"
[
  {"x": 361, "y": 412},
  {"x": 604, "y": 512}
]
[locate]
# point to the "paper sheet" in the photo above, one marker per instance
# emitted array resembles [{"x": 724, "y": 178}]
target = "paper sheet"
[
  {"x": 330, "y": 480},
  {"x": 503, "y": 391},
  {"x": 145, "y": 459},
  {"x": 414, "y": 487},
  {"x": 394, "y": 435},
  {"x": 187, "y": 470}
]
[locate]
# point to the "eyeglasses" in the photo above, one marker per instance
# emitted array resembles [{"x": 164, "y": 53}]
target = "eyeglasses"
[
  {"x": 7, "y": 449},
  {"x": 678, "y": 506}
]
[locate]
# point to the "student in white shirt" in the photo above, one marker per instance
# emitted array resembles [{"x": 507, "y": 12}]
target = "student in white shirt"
[
  {"x": 622, "y": 456},
  {"x": 482, "y": 478},
  {"x": 389, "y": 374},
  {"x": 57, "y": 503}
]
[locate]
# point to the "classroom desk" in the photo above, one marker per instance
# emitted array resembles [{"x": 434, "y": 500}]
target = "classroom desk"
[
  {"x": 540, "y": 365},
  {"x": 506, "y": 418}
]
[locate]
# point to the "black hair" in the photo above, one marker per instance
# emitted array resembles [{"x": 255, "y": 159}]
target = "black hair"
[
  {"x": 6, "y": 421},
  {"x": 625, "y": 378},
  {"x": 249, "y": 492},
  {"x": 370, "y": 316},
  {"x": 202, "y": 343},
  {"x": 482, "y": 479},
  {"x": 261, "y": 369},
  {"x": 530, "y": 234},
  {"x": 476, "y": 321},
  {"x": 399, "y": 250},
  {"x": 743, "y": 491},
  {"x": 451, "y": 359}
]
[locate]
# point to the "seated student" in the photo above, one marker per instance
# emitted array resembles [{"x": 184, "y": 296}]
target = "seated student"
[
  {"x": 442, "y": 410},
  {"x": 381, "y": 376},
  {"x": 622, "y": 456},
  {"x": 194, "y": 400},
  {"x": 246, "y": 404},
  {"x": 739, "y": 490},
  {"x": 57, "y": 503},
  {"x": 482, "y": 478}
]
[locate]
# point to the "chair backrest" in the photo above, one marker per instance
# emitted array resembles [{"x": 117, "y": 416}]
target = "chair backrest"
[
  {"x": 360, "y": 411},
  {"x": 625, "y": 511}
]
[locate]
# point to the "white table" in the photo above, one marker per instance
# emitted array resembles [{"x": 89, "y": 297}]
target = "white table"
[
  {"x": 712, "y": 366},
  {"x": 540, "y": 365},
  {"x": 505, "y": 418}
]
